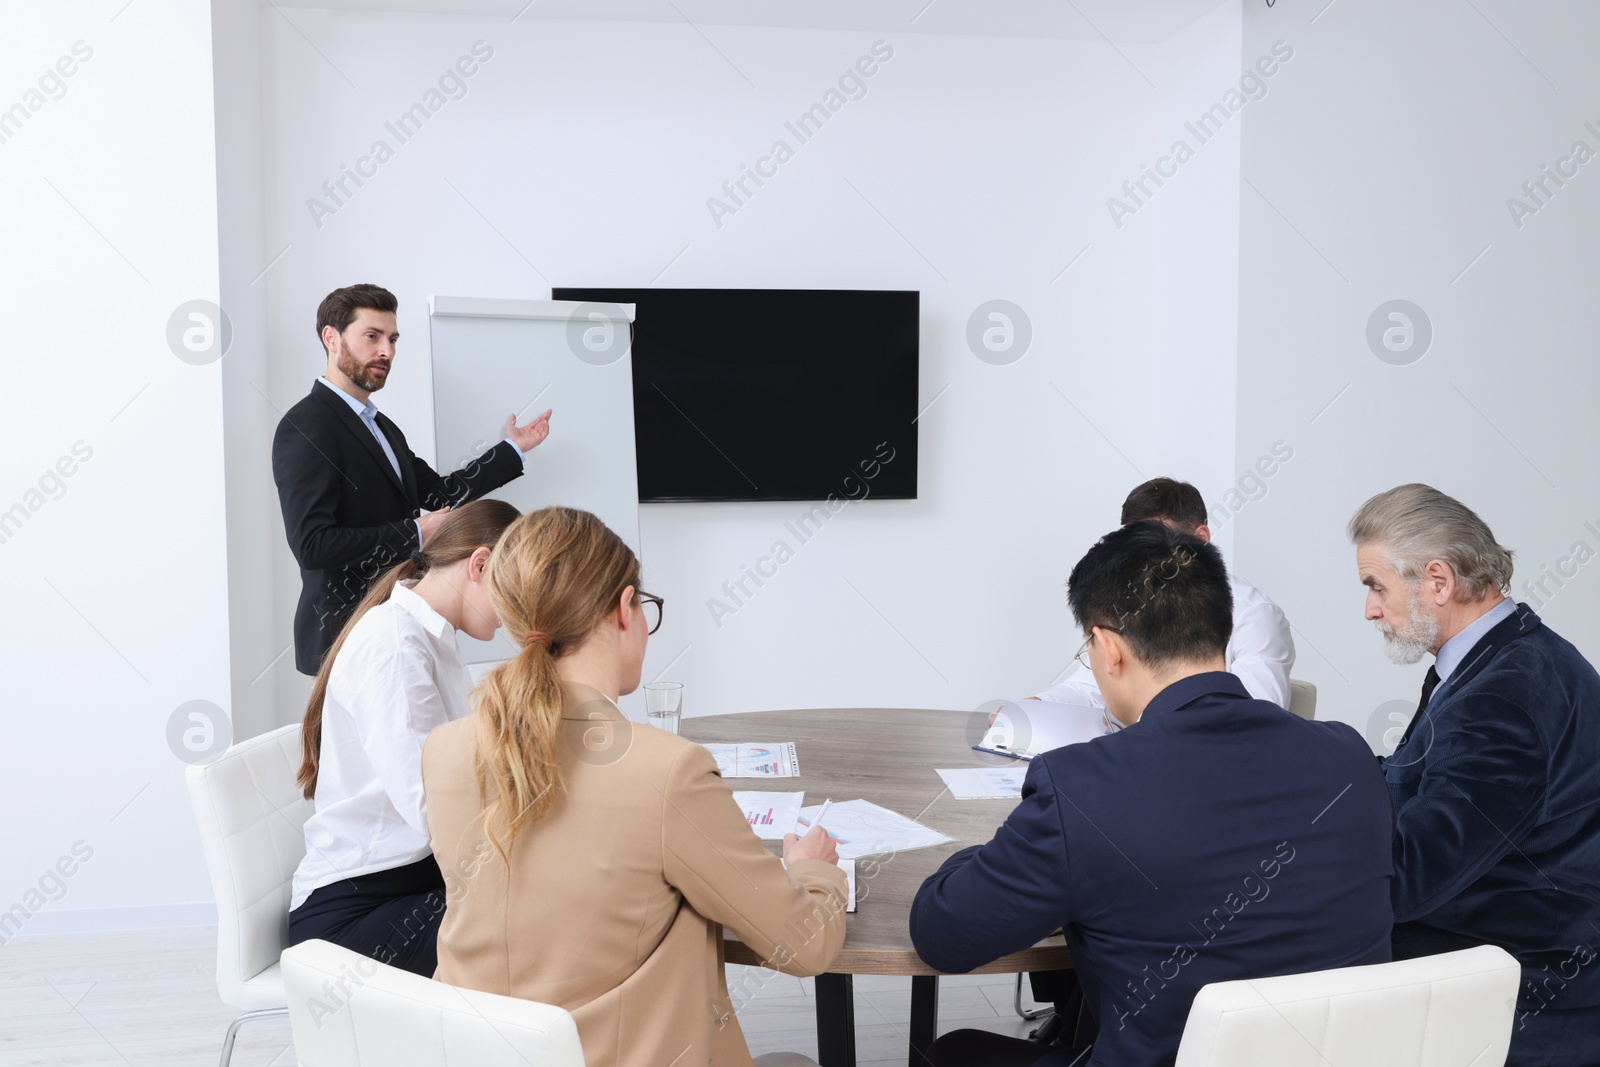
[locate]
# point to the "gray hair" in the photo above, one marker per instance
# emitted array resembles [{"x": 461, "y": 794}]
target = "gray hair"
[{"x": 1417, "y": 524}]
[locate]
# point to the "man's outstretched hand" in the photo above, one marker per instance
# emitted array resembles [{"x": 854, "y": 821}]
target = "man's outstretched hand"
[{"x": 530, "y": 436}]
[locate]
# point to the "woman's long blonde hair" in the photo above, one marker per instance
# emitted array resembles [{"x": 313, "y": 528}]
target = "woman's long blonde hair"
[
  {"x": 555, "y": 575},
  {"x": 458, "y": 535}
]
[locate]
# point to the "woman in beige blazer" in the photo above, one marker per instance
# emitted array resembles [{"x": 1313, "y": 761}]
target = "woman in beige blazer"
[{"x": 590, "y": 862}]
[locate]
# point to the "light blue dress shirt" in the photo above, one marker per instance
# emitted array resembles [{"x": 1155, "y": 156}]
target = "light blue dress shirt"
[
  {"x": 1453, "y": 651},
  {"x": 368, "y": 413}
]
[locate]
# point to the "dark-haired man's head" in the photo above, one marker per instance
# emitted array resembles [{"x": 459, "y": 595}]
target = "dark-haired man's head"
[
  {"x": 1178, "y": 504},
  {"x": 1154, "y": 606},
  {"x": 356, "y": 326}
]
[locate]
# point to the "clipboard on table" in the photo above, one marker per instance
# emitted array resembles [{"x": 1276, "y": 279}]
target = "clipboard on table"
[{"x": 1024, "y": 729}]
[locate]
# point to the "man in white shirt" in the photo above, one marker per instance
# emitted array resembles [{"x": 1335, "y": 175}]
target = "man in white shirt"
[{"x": 1261, "y": 650}]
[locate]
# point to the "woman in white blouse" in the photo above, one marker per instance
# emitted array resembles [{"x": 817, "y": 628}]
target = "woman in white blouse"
[{"x": 369, "y": 881}]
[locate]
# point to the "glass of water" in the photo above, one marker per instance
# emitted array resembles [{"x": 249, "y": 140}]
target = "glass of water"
[{"x": 663, "y": 704}]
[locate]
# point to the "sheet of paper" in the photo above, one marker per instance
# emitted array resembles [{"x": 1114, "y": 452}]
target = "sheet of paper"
[
  {"x": 980, "y": 783},
  {"x": 757, "y": 759},
  {"x": 770, "y": 815},
  {"x": 862, "y": 828},
  {"x": 1025, "y": 728}
]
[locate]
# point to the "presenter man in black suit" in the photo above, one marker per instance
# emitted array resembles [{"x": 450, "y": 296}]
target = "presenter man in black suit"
[
  {"x": 1496, "y": 782},
  {"x": 355, "y": 500},
  {"x": 1215, "y": 837}
]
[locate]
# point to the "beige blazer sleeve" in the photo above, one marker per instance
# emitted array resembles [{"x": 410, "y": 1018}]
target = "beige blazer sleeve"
[{"x": 795, "y": 918}]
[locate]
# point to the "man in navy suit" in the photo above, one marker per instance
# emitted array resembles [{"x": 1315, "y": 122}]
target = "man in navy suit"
[
  {"x": 1496, "y": 782},
  {"x": 352, "y": 492},
  {"x": 1215, "y": 837}
]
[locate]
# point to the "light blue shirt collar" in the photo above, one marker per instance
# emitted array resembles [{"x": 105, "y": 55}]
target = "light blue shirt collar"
[
  {"x": 1453, "y": 651},
  {"x": 367, "y": 411}
]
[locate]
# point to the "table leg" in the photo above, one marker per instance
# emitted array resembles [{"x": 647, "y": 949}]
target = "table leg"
[
  {"x": 836, "y": 1020},
  {"x": 924, "y": 1016}
]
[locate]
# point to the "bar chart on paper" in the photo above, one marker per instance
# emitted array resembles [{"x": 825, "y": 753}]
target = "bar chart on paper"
[{"x": 770, "y": 815}]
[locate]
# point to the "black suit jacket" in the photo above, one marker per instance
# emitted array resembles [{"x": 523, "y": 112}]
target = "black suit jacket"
[{"x": 347, "y": 516}]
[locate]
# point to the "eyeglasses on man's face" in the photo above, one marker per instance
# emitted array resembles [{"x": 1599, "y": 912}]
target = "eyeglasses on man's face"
[
  {"x": 1083, "y": 653},
  {"x": 652, "y": 606}
]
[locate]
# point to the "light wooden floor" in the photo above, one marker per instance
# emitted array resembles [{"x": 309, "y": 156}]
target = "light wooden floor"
[{"x": 149, "y": 999}]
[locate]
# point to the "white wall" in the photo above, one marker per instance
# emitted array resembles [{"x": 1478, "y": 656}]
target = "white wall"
[
  {"x": 115, "y": 579},
  {"x": 584, "y": 154},
  {"x": 259, "y": 642},
  {"x": 1191, "y": 405},
  {"x": 1380, "y": 168}
]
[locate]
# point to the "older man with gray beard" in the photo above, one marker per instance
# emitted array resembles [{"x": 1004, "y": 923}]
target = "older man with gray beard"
[{"x": 1496, "y": 782}]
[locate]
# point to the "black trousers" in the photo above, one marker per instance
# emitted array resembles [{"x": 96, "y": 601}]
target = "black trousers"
[
  {"x": 1075, "y": 1023},
  {"x": 392, "y": 916}
]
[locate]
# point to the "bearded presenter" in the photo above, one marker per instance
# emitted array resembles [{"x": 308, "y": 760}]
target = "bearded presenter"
[{"x": 355, "y": 499}]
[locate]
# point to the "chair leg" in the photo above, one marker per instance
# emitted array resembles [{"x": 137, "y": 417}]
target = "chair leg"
[
  {"x": 1016, "y": 1002},
  {"x": 233, "y": 1029}
]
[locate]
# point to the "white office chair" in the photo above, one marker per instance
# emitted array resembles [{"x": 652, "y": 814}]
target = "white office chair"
[
  {"x": 1436, "y": 1011},
  {"x": 348, "y": 1010},
  {"x": 1302, "y": 699},
  {"x": 251, "y": 815}
]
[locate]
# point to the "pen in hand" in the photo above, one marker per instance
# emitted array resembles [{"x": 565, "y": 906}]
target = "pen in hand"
[
  {"x": 826, "y": 804},
  {"x": 827, "y": 843}
]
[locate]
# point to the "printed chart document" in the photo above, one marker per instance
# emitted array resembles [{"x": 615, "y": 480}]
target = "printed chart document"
[
  {"x": 982, "y": 783},
  {"x": 1025, "y": 728},
  {"x": 757, "y": 759},
  {"x": 862, "y": 828},
  {"x": 771, "y": 815}
]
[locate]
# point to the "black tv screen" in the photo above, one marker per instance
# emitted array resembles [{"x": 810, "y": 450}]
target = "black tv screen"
[{"x": 771, "y": 394}]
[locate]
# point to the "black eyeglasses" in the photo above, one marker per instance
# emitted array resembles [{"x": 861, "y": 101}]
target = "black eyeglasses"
[{"x": 647, "y": 602}]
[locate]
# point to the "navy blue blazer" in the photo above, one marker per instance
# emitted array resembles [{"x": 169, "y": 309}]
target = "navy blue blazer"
[
  {"x": 1219, "y": 837},
  {"x": 1497, "y": 815}
]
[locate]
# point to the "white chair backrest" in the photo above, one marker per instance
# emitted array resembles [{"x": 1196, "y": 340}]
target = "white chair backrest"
[
  {"x": 348, "y": 1010},
  {"x": 1302, "y": 699},
  {"x": 1449, "y": 1010},
  {"x": 251, "y": 818}
]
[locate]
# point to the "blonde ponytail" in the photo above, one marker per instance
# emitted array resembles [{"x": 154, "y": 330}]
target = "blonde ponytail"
[{"x": 554, "y": 576}]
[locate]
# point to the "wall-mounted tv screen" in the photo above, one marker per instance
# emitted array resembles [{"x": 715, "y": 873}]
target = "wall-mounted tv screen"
[{"x": 771, "y": 394}]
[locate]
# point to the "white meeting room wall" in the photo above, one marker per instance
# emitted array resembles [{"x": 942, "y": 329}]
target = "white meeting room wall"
[
  {"x": 974, "y": 168},
  {"x": 113, "y": 572},
  {"x": 1381, "y": 170}
]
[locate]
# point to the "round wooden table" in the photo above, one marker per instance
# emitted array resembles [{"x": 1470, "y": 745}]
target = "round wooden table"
[{"x": 887, "y": 756}]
